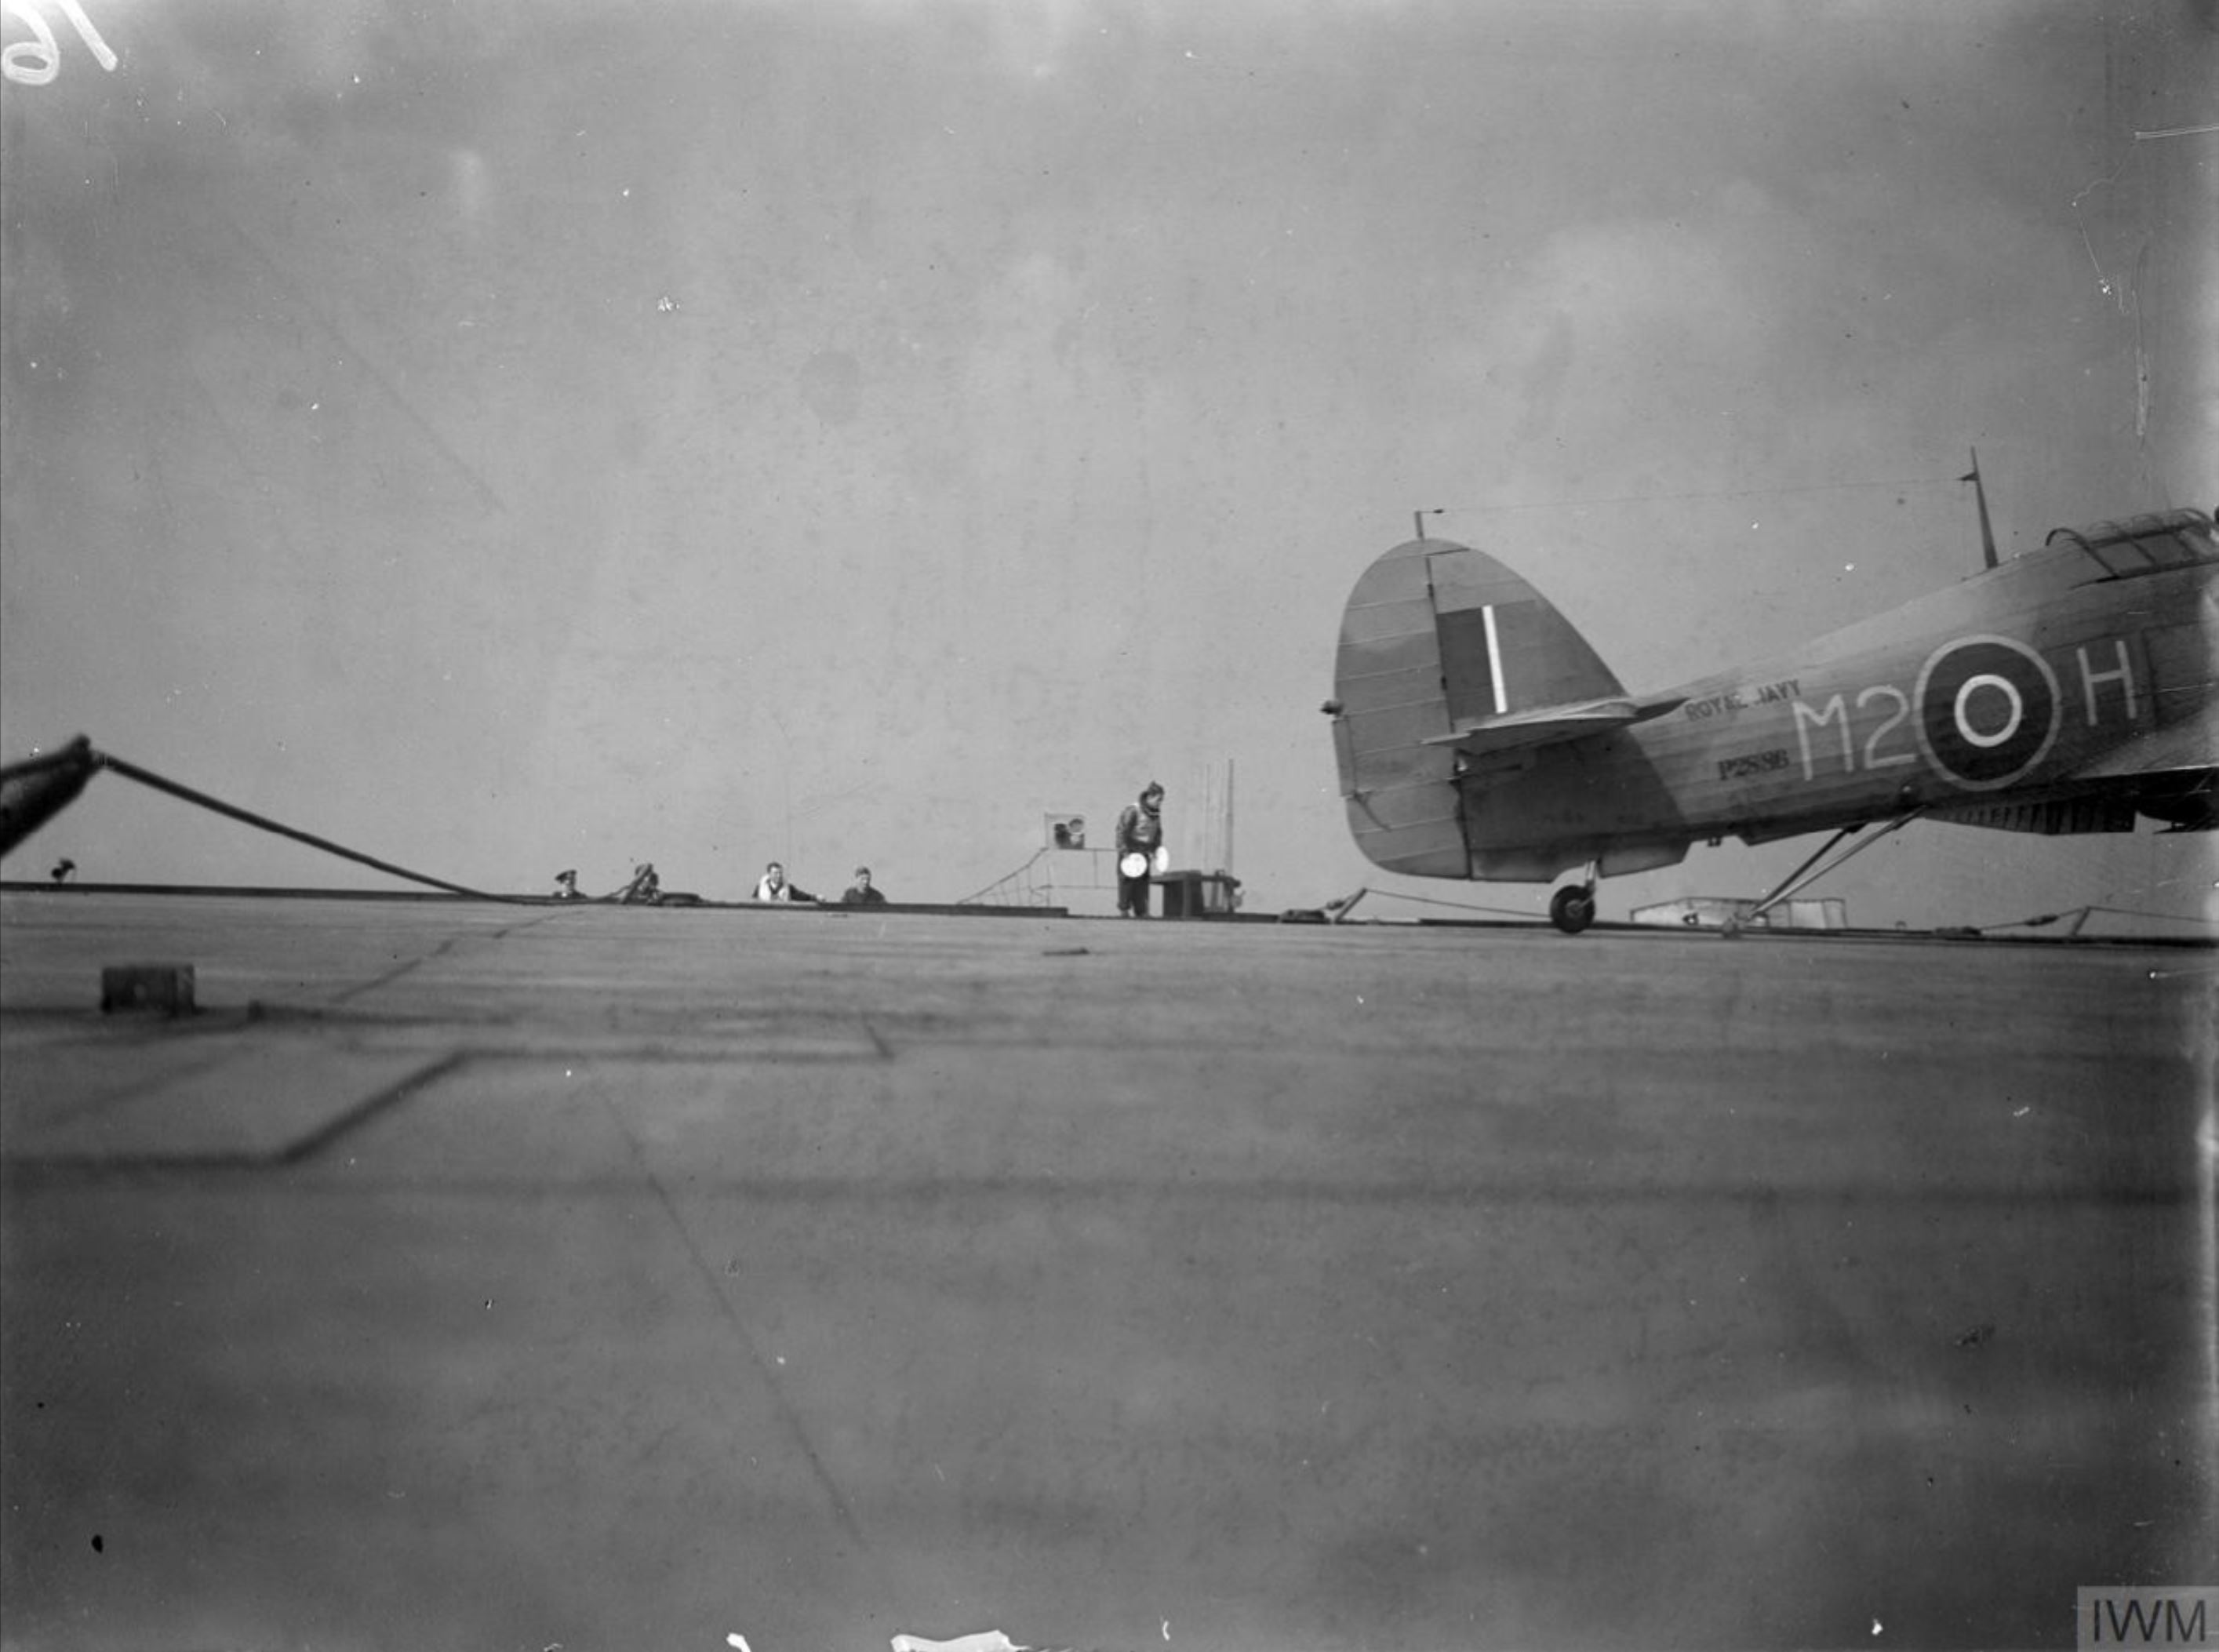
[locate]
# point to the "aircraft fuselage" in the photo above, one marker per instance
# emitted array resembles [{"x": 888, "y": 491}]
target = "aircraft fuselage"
[
  {"x": 2062, "y": 691},
  {"x": 1943, "y": 703}
]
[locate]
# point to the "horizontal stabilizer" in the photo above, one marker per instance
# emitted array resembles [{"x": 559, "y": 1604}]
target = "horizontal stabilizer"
[{"x": 1541, "y": 726}]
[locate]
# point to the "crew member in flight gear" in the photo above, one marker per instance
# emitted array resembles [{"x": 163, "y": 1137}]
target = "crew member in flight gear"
[{"x": 1139, "y": 837}]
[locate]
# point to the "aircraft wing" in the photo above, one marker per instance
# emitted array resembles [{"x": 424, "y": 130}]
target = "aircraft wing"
[{"x": 2185, "y": 748}]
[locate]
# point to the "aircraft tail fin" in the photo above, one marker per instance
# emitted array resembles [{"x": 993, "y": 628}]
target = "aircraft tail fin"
[{"x": 1446, "y": 656}]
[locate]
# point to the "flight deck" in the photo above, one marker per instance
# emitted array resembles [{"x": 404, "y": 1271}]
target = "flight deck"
[{"x": 462, "y": 1275}]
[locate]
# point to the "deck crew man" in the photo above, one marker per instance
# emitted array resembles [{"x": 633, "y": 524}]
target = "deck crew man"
[
  {"x": 775, "y": 887},
  {"x": 1140, "y": 832}
]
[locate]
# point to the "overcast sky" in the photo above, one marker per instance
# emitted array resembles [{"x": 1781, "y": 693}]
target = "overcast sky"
[{"x": 511, "y": 437}]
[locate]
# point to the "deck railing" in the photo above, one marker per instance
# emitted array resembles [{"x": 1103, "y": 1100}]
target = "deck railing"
[{"x": 1049, "y": 878}]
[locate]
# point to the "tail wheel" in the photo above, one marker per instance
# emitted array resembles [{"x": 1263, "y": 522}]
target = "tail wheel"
[{"x": 1571, "y": 909}]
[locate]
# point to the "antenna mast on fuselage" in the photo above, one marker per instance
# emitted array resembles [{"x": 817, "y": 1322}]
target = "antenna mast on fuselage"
[{"x": 1980, "y": 497}]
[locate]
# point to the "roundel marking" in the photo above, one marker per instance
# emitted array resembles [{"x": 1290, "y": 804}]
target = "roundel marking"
[
  {"x": 1972, "y": 728},
  {"x": 1987, "y": 711}
]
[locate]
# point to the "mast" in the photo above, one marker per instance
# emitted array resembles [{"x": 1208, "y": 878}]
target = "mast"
[
  {"x": 1227, "y": 867},
  {"x": 1980, "y": 496}
]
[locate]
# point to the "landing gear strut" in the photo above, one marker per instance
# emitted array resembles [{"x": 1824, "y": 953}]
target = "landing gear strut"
[
  {"x": 1803, "y": 877},
  {"x": 1572, "y": 908}
]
